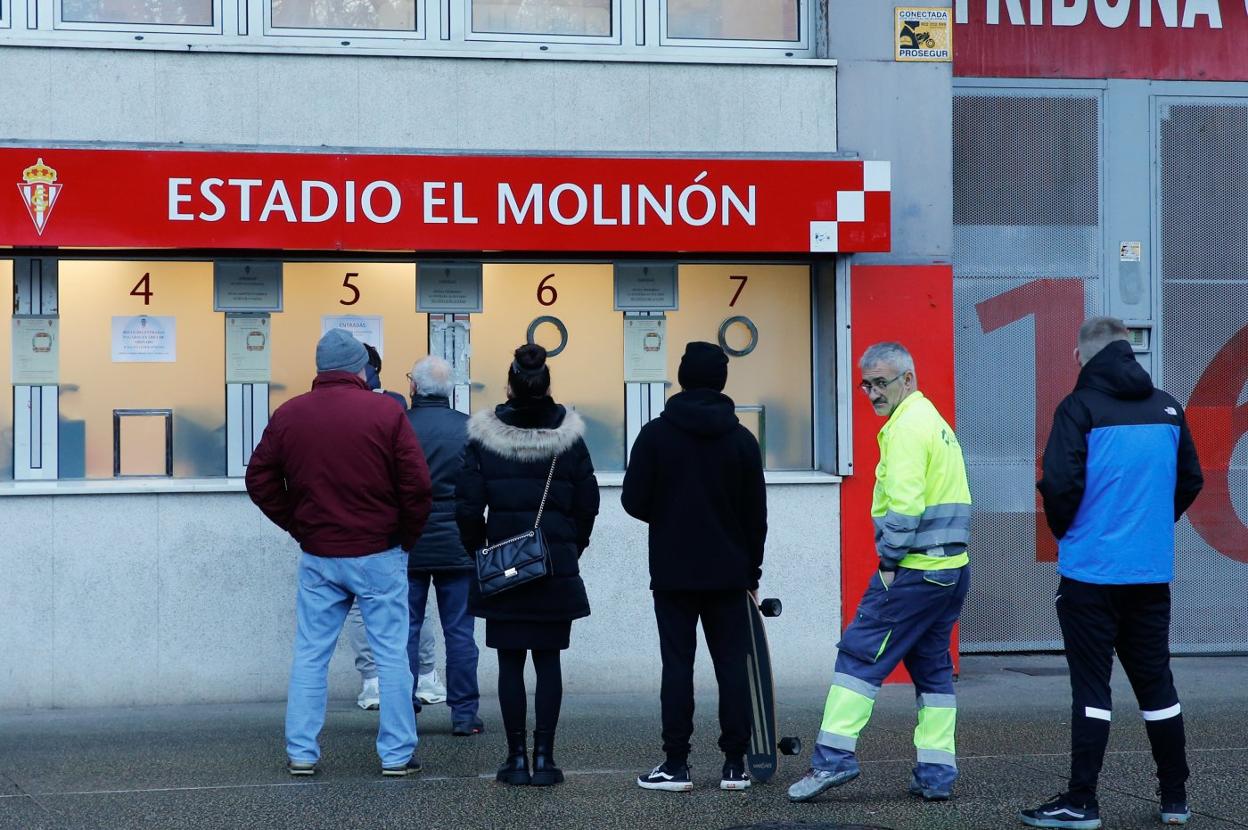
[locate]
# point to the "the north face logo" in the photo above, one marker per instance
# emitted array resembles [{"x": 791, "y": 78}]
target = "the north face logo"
[{"x": 1170, "y": 410}]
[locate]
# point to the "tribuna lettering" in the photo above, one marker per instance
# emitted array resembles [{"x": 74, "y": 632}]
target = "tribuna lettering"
[
  {"x": 1112, "y": 14},
  {"x": 313, "y": 201}
]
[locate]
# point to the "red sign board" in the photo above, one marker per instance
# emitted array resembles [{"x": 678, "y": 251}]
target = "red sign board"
[
  {"x": 1203, "y": 40},
  {"x": 295, "y": 201}
]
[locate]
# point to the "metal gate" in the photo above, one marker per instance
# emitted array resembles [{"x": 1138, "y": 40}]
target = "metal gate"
[
  {"x": 1027, "y": 255},
  {"x": 1202, "y": 240}
]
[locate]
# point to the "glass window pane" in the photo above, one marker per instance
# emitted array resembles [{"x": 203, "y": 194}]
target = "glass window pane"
[
  {"x": 586, "y": 18},
  {"x": 6, "y": 343},
  {"x": 160, "y": 12},
  {"x": 588, "y": 375},
  {"x": 313, "y": 290},
  {"x": 734, "y": 19},
  {"x": 772, "y": 384},
  {"x": 387, "y": 15},
  {"x": 93, "y": 385}
]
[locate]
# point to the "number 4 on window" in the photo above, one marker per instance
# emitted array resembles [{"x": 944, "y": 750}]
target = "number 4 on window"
[{"x": 143, "y": 288}]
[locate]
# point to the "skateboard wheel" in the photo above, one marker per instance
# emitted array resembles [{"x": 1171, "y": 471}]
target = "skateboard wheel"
[
  {"x": 790, "y": 746},
  {"x": 770, "y": 607}
]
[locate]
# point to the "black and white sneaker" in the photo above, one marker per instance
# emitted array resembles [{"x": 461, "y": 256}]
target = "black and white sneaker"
[
  {"x": 1061, "y": 812},
  {"x": 734, "y": 776},
  {"x": 674, "y": 778}
]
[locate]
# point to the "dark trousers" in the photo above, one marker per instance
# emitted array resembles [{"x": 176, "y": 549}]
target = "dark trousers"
[
  {"x": 727, "y": 630},
  {"x": 463, "y": 695},
  {"x": 1134, "y": 621}
]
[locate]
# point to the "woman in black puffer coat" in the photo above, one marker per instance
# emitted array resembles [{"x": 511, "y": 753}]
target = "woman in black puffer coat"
[{"x": 506, "y": 464}]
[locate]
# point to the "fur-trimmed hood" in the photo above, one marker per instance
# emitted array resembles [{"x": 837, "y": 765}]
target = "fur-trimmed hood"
[{"x": 519, "y": 444}]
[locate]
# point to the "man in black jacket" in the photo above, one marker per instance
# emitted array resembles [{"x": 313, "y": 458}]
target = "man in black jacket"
[
  {"x": 1119, "y": 470},
  {"x": 695, "y": 475},
  {"x": 439, "y": 558}
]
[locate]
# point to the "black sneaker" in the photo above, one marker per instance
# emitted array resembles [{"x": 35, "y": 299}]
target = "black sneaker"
[
  {"x": 734, "y": 776},
  {"x": 411, "y": 767},
  {"x": 1174, "y": 812},
  {"x": 1062, "y": 812},
  {"x": 466, "y": 730},
  {"x": 669, "y": 776}
]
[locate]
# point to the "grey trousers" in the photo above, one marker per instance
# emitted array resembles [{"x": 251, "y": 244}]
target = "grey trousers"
[{"x": 358, "y": 639}]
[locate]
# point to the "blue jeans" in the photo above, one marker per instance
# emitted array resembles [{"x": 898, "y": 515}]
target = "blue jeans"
[
  {"x": 462, "y": 692},
  {"x": 326, "y": 587}
]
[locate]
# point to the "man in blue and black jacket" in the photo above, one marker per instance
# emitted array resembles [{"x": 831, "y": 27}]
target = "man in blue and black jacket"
[{"x": 1120, "y": 469}]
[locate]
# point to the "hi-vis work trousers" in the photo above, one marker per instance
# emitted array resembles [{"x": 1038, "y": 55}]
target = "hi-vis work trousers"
[{"x": 909, "y": 622}]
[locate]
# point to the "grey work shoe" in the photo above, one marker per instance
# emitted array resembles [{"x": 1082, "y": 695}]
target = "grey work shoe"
[
  {"x": 818, "y": 781},
  {"x": 301, "y": 767},
  {"x": 929, "y": 793}
]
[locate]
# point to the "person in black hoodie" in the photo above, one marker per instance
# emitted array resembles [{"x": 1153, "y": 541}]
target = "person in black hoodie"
[
  {"x": 695, "y": 474},
  {"x": 506, "y": 465},
  {"x": 1120, "y": 469}
]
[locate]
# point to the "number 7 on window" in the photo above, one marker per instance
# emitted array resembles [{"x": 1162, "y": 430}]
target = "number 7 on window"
[{"x": 744, "y": 279}]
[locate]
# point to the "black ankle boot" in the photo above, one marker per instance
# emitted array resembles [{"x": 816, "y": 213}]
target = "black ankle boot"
[
  {"x": 515, "y": 769},
  {"x": 545, "y": 773}
]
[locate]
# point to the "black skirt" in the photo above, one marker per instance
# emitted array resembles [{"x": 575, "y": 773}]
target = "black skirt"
[{"x": 528, "y": 635}]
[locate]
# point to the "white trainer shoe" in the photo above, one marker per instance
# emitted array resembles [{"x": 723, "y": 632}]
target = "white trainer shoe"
[
  {"x": 370, "y": 695},
  {"x": 430, "y": 689}
]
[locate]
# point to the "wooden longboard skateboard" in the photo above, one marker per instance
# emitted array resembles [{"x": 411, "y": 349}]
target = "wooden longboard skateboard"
[{"x": 762, "y": 758}]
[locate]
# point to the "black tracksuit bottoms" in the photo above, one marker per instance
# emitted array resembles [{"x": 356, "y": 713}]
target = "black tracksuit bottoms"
[
  {"x": 1134, "y": 621},
  {"x": 726, "y": 625}
]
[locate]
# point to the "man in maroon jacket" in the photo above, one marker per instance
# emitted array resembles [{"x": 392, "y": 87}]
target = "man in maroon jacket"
[{"x": 341, "y": 471}]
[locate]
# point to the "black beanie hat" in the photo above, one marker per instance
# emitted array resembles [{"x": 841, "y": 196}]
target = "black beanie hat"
[{"x": 704, "y": 366}]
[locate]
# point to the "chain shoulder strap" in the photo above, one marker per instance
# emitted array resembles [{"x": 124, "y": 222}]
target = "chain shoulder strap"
[{"x": 549, "y": 478}]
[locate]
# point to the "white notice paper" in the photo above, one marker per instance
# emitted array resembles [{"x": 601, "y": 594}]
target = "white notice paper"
[
  {"x": 36, "y": 351},
  {"x": 145, "y": 339},
  {"x": 645, "y": 349},
  {"x": 365, "y": 328},
  {"x": 247, "y": 355}
]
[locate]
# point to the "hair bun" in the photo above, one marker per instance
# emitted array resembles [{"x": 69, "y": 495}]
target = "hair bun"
[{"x": 531, "y": 357}]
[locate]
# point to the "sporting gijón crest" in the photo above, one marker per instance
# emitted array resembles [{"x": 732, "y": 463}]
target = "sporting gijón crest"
[{"x": 40, "y": 191}]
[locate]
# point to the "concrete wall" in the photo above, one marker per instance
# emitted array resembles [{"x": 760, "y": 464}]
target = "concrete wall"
[
  {"x": 442, "y": 103},
  {"x": 118, "y": 600},
  {"x": 900, "y": 112}
]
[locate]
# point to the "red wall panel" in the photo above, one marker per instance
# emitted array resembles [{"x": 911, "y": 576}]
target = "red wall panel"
[{"x": 913, "y": 305}]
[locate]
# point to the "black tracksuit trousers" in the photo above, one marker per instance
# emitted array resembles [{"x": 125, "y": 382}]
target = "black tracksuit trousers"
[
  {"x": 726, "y": 624},
  {"x": 1134, "y": 621}
]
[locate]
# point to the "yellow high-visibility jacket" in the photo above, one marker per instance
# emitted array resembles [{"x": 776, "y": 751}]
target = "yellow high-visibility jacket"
[{"x": 922, "y": 504}]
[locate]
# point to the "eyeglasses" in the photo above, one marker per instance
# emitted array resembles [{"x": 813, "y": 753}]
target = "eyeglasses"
[{"x": 878, "y": 384}]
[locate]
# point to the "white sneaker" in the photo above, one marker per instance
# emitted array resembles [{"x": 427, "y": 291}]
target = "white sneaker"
[
  {"x": 370, "y": 695},
  {"x": 429, "y": 688}
]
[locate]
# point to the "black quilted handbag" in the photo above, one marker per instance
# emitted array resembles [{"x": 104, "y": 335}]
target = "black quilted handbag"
[{"x": 519, "y": 560}]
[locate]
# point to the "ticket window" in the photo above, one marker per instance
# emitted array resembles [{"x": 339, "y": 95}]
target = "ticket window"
[
  {"x": 566, "y": 307},
  {"x": 6, "y": 342},
  {"x": 142, "y": 380},
  {"x": 376, "y": 301},
  {"x": 762, "y": 315}
]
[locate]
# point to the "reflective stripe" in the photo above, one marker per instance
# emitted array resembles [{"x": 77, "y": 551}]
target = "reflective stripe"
[
  {"x": 1162, "y": 714},
  {"x": 1093, "y": 712},
  {"x": 927, "y": 562},
  {"x": 943, "y": 536},
  {"x": 936, "y": 756},
  {"x": 854, "y": 684},
  {"x": 942, "y": 511},
  {"x": 834, "y": 741},
  {"x": 933, "y": 700}
]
